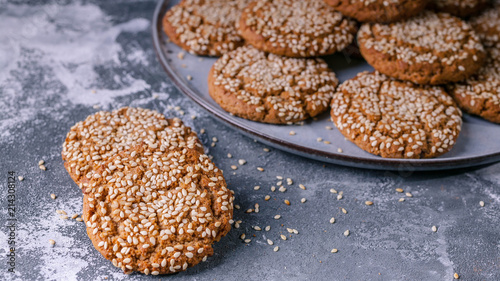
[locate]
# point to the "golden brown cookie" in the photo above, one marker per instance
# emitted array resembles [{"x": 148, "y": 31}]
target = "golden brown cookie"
[
  {"x": 381, "y": 11},
  {"x": 427, "y": 49},
  {"x": 480, "y": 94},
  {"x": 157, "y": 211},
  {"x": 296, "y": 28},
  {"x": 269, "y": 88},
  {"x": 460, "y": 8},
  {"x": 104, "y": 134},
  {"x": 205, "y": 27},
  {"x": 396, "y": 119},
  {"x": 487, "y": 26}
]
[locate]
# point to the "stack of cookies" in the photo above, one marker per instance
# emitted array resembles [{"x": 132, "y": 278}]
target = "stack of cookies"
[
  {"x": 152, "y": 201},
  {"x": 431, "y": 58}
]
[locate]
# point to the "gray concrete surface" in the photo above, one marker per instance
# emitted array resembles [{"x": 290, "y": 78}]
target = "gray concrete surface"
[{"x": 61, "y": 60}]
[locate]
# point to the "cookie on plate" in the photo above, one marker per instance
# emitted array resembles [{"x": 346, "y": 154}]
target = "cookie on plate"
[
  {"x": 157, "y": 211},
  {"x": 381, "y": 11},
  {"x": 296, "y": 28},
  {"x": 269, "y": 88},
  {"x": 460, "y": 8},
  {"x": 427, "y": 49},
  {"x": 205, "y": 27},
  {"x": 396, "y": 119},
  {"x": 487, "y": 26},
  {"x": 104, "y": 134},
  {"x": 480, "y": 94}
]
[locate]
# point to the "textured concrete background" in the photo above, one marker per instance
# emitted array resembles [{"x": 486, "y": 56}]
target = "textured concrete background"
[{"x": 61, "y": 61}]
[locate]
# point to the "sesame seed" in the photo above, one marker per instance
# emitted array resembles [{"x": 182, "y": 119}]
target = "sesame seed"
[
  {"x": 408, "y": 194},
  {"x": 344, "y": 210},
  {"x": 189, "y": 77},
  {"x": 346, "y": 233},
  {"x": 329, "y": 128},
  {"x": 283, "y": 237},
  {"x": 266, "y": 149},
  {"x": 52, "y": 242},
  {"x": 20, "y": 178},
  {"x": 333, "y": 190},
  {"x": 302, "y": 187},
  {"x": 267, "y": 228},
  {"x": 332, "y": 220},
  {"x": 456, "y": 276},
  {"x": 42, "y": 167},
  {"x": 287, "y": 202},
  {"x": 273, "y": 188},
  {"x": 481, "y": 203},
  {"x": 282, "y": 189},
  {"x": 248, "y": 240},
  {"x": 400, "y": 190},
  {"x": 79, "y": 219},
  {"x": 74, "y": 216},
  {"x": 276, "y": 249},
  {"x": 257, "y": 228},
  {"x": 319, "y": 139},
  {"x": 401, "y": 199},
  {"x": 234, "y": 167},
  {"x": 267, "y": 197},
  {"x": 41, "y": 162},
  {"x": 242, "y": 161},
  {"x": 339, "y": 197},
  {"x": 368, "y": 203},
  {"x": 270, "y": 242},
  {"x": 257, "y": 187},
  {"x": 260, "y": 169},
  {"x": 327, "y": 142},
  {"x": 303, "y": 200},
  {"x": 229, "y": 155},
  {"x": 334, "y": 250},
  {"x": 277, "y": 217},
  {"x": 434, "y": 228},
  {"x": 292, "y": 133},
  {"x": 181, "y": 55},
  {"x": 53, "y": 196},
  {"x": 339, "y": 150}
]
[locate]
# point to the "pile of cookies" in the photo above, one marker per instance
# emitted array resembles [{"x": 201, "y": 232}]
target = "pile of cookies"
[
  {"x": 153, "y": 202},
  {"x": 432, "y": 58}
]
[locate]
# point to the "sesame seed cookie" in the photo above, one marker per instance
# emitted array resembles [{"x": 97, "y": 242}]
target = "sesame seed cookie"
[
  {"x": 382, "y": 11},
  {"x": 205, "y": 27},
  {"x": 296, "y": 28},
  {"x": 269, "y": 88},
  {"x": 157, "y": 211},
  {"x": 487, "y": 26},
  {"x": 102, "y": 135},
  {"x": 396, "y": 119},
  {"x": 427, "y": 49},
  {"x": 460, "y": 8},
  {"x": 480, "y": 94}
]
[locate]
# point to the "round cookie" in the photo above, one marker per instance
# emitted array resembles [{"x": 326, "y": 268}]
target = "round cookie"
[
  {"x": 269, "y": 88},
  {"x": 157, "y": 212},
  {"x": 487, "y": 26},
  {"x": 427, "y": 49},
  {"x": 460, "y": 8},
  {"x": 381, "y": 11},
  {"x": 396, "y": 119},
  {"x": 205, "y": 27},
  {"x": 296, "y": 28},
  {"x": 102, "y": 135},
  {"x": 480, "y": 94}
]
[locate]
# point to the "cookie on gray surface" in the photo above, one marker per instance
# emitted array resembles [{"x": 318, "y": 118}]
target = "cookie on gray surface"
[
  {"x": 157, "y": 211},
  {"x": 296, "y": 28},
  {"x": 205, "y": 27},
  {"x": 381, "y": 11},
  {"x": 269, "y": 88},
  {"x": 480, "y": 94},
  {"x": 396, "y": 119},
  {"x": 428, "y": 49},
  {"x": 104, "y": 134}
]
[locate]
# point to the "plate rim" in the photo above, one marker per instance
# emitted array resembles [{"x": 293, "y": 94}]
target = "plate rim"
[{"x": 333, "y": 158}]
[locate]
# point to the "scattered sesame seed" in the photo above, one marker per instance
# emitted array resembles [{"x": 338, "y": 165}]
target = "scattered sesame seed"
[
  {"x": 237, "y": 206},
  {"x": 52, "y": 242},
  {"x": 63, "y": 217},
  {"x": 41, "y": 162},
  {"x": 332, "y": 220},
  {"x": 257, "y": 228},
  {"x": 283, "y": 237},
  {"x": 270, "y": 242},
  {"x": 273, "y": 188},
  {"x": 344, "y": 210},
  {"x": 334, "y": 250},
  {"x": 434, "y": 228},
  {"x": 202, "y": 131},
  {"x": 346, "y": 233},
  {"x": 267, "y": 197},
  {"x": 339, "y": 197},
  {"x": 409, "y": 194},
  {"x": 319, "y": 139},
  {"x": 456, "y": 276},
  {"x": 292, "y": 133},
  {"x": 42, "y": 167},
  {"x": 260, "y": 169},
  {"x": 277, "y": 217},
  {"x": 276, "y": 249},
  {"x": 287, "y": 202},
  {"x": 327, "y": 142},
  {"x": 339, "y": 150},
  {"x": 289, "y": 181},
  {"x": 20, "y": 178},
  {"x": 214, "y": 139},
  {"x": 401, "y": 199},
  {"x": 249, "y": 211},
  {"x": 267, "y": 228},
  {"x": 333, "y": 190},
  {"x": 266, "y": 149},
  {"x": 193, "y": 117},
  {"x": 229, "y": 155},
  {"x": 400, "y": 190},
  {"x": 257, "y": 187},
  {"x": 303, "y": 200},
  {"x": 234, "y": 167},
  {"x": 79, "y": 219},
  {"x": 181, "y": 55},
  {"x": 368, "y": 203},
  {"x": 53, "y": 196},
  {"x": 74, "y": 216},
  {"x": 328, "y": 128},
  {"x": 481, "y": 203},
  {"x": 242, "y": 161},
  {"x": 248, "y": 240},
  {"x": 282, "y": 189},
  {"x": 302, "y": 186}
]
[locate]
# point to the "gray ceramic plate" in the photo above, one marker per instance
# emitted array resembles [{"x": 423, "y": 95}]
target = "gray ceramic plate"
[{"x": 478, "y": 143}]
